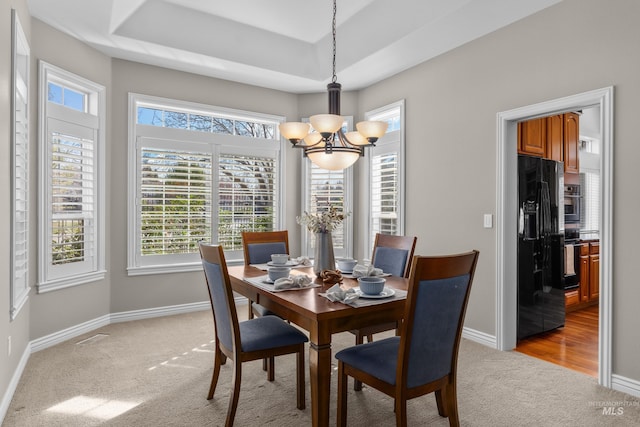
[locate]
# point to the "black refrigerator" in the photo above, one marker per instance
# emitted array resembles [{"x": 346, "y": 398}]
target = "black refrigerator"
[{"x": 541, "y": 302}]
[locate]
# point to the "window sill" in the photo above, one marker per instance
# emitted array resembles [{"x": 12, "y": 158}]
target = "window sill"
[{"x": 67, "y": 282}]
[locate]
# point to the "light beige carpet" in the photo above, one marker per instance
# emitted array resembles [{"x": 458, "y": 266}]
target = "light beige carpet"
[{"x": 156, "y": 372}]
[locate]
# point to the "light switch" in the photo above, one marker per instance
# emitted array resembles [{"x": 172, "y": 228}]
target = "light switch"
[{"x": 488, "y": 221}]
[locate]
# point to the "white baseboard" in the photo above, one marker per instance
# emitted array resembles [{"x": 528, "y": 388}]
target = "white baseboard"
[
  {"x": 13, "y": 384},
  {"x": 148, "y": 313},
  {"x": 625, "y": 385},
  {"x": 69, "y": 333},
  {"x": 480, "y": 337}
]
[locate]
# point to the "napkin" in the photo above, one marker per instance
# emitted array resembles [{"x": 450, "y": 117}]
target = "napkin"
[
  {"x": 336, "y": 293},
  {"x": 303, "y": 260},
  {"x": 366, "y": 271},
  {"x": 297, "y": 281}
]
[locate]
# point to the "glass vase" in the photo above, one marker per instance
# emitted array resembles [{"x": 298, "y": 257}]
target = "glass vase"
[{"x": 323, "y": 259}]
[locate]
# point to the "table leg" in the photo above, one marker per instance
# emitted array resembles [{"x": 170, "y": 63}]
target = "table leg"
[{"x": 320, "y": 378}]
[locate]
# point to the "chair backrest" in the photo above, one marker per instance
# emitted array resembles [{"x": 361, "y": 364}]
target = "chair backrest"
[
  {"x": 259, "y": 245},
  {"x": 434, "y": 315},
  {"x": 220, "y": 294},
  {"x": 393, "y": 254}
]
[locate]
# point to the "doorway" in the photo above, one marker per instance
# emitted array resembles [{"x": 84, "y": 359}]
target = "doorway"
[
  {"x": 506, "y": 322},
  {"x": 574, "y": 138}
]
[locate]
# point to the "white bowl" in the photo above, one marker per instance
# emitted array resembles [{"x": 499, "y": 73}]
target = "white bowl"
[
  {"x": 276, "y": 273},
  {"x": 279, "y": 259},
  {"x": 346, "y": 264},
  {"x": 371, "y": 285}
]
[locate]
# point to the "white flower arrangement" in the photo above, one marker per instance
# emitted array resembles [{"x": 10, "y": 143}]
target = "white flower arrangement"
[{"x": 322, "y": 222}]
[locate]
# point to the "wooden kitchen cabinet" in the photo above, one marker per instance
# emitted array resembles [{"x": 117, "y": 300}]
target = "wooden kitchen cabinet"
[
  {"x": 594, "y": 271},
  {"x": 589, "y": 291},
  {"x": 532, "y": 138},
  {"x": 555, "y": 137},
  {"x": 571, "y": 142}
]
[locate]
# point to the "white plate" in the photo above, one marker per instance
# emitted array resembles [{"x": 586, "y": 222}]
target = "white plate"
[
  {"x": 268, "y": 281},
  {"x": 290, "y": 263},
  {"x": 386, "y": 293},
  {"x": 346, "y": 272}
]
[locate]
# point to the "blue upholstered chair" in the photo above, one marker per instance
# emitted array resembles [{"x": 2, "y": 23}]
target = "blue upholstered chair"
[
  {"x": 393, "y": 255},
  {"x": 423, "y": 359},
  {"x": 257, "y": 247},
  {"x": 259, "y": 338}
]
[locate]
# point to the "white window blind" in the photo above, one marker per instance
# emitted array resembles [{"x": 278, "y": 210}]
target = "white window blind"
[
  {"x": 247, "y": 197},
  {"x": 384, "y": 195},
  {"x": 590, "y": 202},
  {"x": 201, "y": 173},
  {"x": 175, "y": 201},
  {"x": 327, "y": 188},
  {"x": 71, "y": 190},
  {"x": 20, "y": 170},
  {"x": 386, "y": 168}
]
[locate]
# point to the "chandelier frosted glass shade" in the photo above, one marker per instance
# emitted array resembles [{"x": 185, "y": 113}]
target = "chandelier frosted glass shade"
[
  {"x": 326, "y": 123},
  {"x": 335, "y": 160},
  {"x": 294, "y": 130},
  {"x": 372, "y": 130}
]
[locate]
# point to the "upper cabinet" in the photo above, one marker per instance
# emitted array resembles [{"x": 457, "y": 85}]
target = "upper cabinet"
[
  {"x": 532, "y": 138},
  {"x": 554, "y": 137},
  {"x": 571, "y": 142}
]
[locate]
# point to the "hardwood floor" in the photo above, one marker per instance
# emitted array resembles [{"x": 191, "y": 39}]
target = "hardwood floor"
[{"x": 575, "y": 346}]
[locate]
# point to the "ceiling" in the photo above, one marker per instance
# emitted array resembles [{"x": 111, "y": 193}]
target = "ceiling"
[{"x": 281, "y": 44}]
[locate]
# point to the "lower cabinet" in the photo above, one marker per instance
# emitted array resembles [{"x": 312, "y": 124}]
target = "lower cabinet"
[{"x": 589, "y": 291}]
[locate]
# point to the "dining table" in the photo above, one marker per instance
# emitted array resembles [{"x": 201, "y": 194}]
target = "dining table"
[{"x": 321, "y": 318}]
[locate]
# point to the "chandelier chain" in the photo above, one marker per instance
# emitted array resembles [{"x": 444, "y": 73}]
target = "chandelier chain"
[{"x": 335, "y": 9}]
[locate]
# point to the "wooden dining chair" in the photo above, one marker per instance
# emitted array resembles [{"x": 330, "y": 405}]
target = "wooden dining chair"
[
  {"x": 393, "y": 255},
  {"x": 257, "y": 247},
  {"x": 423, "y": 359},
  {"x": 259, "y": 338}
]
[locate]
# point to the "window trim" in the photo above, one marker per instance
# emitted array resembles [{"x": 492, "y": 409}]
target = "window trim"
[
  {"x": 216, "y": 147},
  {"x": 95, "y": 117},
  {"x": 382, "y": 145}
]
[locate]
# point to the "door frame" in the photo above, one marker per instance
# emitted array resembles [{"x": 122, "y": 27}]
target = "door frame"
[{"x": 507, "y": 202}]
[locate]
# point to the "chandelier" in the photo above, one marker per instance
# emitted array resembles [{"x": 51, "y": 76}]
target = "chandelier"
[{"x": 323, "y": 141}]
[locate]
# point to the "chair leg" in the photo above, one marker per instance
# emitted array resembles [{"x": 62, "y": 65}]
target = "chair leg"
[
  {"x": 218, "y": 359},
  {"x": 442, "y": 407},
  {"x": 271, "y": 368},
  {"x": 370, "y": 338},
  {"x": 300, "y": 385},
  {"x": 451, "y": 403},
  {"x": 401, "y": 412},
  {"x": 357, "y": 384},
  {"x": 250, "y": 315},
  {"x": 342, "y": 396},
  {"x": 235, "y": 393}
]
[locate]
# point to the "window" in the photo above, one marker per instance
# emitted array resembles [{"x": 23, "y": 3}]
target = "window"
[
  {"x": 20, "y": 169},
  {"x": 386, "y": 171},
  {"x": 324, "y": 188},
  {"x": 198, "y": 173},
  {"x": 71, "y": 228},
  {"x": 590, "y": 202}
]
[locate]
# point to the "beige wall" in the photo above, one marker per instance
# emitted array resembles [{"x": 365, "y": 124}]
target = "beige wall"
[
  {"x": 451, "y": 106},
  {"x": 58, "y": 310}
]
